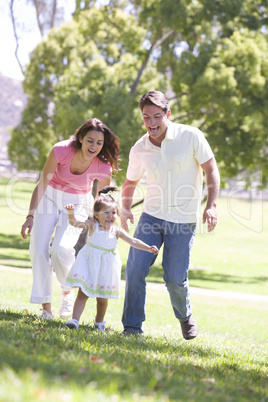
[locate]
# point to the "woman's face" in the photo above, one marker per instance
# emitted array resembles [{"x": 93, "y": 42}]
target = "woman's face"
[{"x": 92, "y": 144}]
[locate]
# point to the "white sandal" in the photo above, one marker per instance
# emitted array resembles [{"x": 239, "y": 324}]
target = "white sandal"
[
  {"x": 99, "y": 326},
  {"x": 73, "y": 323}
]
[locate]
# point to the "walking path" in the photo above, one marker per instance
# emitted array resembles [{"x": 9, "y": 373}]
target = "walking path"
[{"x": 198, "y": 291}]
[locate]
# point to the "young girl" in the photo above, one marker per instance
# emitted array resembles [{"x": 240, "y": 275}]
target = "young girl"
[{"x": 97, "y": 269}]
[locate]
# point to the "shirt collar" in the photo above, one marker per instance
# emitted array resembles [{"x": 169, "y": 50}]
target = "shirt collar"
[{"x": 170, "y": 131}]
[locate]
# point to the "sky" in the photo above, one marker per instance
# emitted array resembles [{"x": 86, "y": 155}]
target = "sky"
[{"x": 29, "y": 35}]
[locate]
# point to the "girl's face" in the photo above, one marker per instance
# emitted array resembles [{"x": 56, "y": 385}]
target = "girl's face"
[
  {"x": 107, "y": 216},
  {"x": 92, "y": 144}
]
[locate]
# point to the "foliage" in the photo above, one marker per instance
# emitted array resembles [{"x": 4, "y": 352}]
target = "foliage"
[
  {"x": 83, "y": 70},
  {"x": 209, "y": 57}
]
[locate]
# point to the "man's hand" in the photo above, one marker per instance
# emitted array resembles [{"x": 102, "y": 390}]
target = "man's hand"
[
  {"x": 125, "y": 215},
  {"x": 210, "y": 216}
]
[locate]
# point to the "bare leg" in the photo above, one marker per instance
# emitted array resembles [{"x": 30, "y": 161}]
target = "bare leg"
[
  {"x": 47, "y": 307},
  {"x": 79, "y": 304},
  {"x": 101, "y": 309}
]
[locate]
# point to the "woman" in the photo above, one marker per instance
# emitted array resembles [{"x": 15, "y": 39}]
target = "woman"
[{"x": 72, "y": 166}]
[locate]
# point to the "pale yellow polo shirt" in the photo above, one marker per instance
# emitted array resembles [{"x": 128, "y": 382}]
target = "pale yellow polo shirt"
[{"x": 174, "y": 174}]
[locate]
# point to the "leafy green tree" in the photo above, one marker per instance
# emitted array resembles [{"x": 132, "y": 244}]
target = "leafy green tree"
[
  {"x": 228, "y": 99},
  {"x": 84, "y": 69},
  {"x": 209, "y": 57},
  {"x": 216, "y": 56}
]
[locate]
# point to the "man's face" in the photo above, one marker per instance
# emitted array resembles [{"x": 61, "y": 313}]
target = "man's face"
[{"x": 156, "y": 123}]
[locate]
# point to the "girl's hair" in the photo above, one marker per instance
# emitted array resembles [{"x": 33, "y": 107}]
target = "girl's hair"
[
  {"x": 110, "y": 150},
  {"x": 156, "y": 98},
  {"x": 105, "y": 200}
]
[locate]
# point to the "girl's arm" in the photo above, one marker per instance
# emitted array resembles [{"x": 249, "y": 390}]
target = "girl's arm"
[
  {"x": 46, "y": 176},
  {"x": 88, "y": 224},
  {"x": 136, "y": 242}
]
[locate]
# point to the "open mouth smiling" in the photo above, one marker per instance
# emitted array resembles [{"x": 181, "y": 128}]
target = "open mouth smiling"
[{"x": 154, "y": 129}]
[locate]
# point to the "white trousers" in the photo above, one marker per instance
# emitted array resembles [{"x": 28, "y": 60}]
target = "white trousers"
[{"x": 52, "y": 218}]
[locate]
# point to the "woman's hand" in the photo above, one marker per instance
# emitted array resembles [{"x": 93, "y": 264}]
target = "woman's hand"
[{"x": 28, "y": 224}]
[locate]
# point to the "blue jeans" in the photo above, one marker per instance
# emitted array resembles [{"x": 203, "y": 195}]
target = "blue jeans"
[{"x": 178, "y": 240}]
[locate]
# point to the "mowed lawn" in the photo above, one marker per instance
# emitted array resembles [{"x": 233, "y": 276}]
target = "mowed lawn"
[
  {"x": 226, "y": 362},
  {"x": 42, "y": 361},
  {"x": 233, "y": 257}
]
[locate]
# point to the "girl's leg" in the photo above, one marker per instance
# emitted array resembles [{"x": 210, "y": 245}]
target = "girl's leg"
[
  {"x": 101, "y": 309},
  {"x": 79, "y": 304}
]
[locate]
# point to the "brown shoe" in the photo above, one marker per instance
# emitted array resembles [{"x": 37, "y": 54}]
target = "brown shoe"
[{"x": 189, "y": 328}]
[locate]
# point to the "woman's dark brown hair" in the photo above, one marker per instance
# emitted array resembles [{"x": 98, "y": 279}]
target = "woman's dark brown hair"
[{"x": 110, "y": 150}]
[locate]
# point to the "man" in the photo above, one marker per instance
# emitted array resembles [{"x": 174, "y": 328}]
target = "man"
[{"x": 173, "y": 156}]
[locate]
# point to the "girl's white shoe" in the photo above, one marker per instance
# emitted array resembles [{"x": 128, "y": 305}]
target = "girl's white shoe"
[
  {"x": 99, "y": 326},
  {"x": 73, "y": 323}
]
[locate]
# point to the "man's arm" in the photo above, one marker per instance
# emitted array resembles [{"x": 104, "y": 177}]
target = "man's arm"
[
  {"x": 213, "y": 185},
  {"x": 127, "y": 199}
]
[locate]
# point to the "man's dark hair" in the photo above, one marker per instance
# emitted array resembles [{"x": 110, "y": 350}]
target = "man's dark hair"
[{"x": 156, "y": 98}]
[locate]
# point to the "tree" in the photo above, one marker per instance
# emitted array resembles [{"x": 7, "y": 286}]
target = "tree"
[
  {"x": 228, "y": 99},
  {"x": 215, "y": 54},
  {"x": 84, "y": 69},
  {"x": 209, "y": 57}
]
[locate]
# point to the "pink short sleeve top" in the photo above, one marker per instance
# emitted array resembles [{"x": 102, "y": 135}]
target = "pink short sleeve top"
[{"x": 68, "y": 182}]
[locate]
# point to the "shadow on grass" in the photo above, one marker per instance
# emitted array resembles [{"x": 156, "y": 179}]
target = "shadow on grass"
[
  {"x": 156, "y": 275},
  {"x": 13, "y": 241},
  {"x": 13, "y": 251},
  {"x": 155, "y": 365},
  {"x": 223, "y": 278}
]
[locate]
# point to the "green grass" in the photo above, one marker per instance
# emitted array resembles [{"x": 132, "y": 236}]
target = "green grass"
[
  {"x": 233, "y": 257},
  {"x": 41, "y": 361},
  {"x": 226, "y": 362}
]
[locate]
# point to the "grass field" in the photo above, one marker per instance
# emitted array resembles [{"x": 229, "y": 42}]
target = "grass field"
[
  {"x": 41, "y": 361},
  {"x": 226, "y": 362},
  {"x": 232, "y": 258}
]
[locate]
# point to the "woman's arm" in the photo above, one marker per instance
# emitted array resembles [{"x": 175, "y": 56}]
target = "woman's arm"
[
  {"x": 46, "y": 176},
  {"x": 136, "y": 242},
  {"x": 102, "y": 183}
]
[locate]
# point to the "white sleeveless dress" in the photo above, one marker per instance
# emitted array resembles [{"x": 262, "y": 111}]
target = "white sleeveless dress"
[{"x": 97, "y": 268}]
